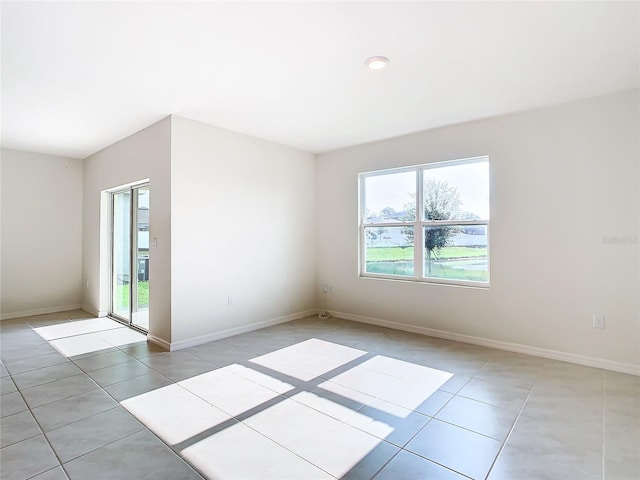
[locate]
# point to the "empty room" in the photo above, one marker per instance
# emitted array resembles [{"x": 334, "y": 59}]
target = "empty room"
[{"x": 320, "y": 240}]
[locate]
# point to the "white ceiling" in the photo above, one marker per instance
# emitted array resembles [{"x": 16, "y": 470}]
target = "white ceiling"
[{"x": 77, "y": 77}]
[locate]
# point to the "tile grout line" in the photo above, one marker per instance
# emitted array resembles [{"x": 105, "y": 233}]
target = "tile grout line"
[
  {"x": 454, "y": 425},
  {"x": 41, "y": 432},
  {"x": 66, "y": 359},
  {"x": 519, "y": 415},
  {"x": 99, "y": 387},
  {"x": 143, "y": 425},
  {"x": 388, "y": 462},
  {"x": 513, "y": 425},
  {"x": 400, "y": 448},
  {"x": 145, "y": 428},
  {"x": 282, "y": 446},
  {"x": 50, "y": 470},
  {"x": 29, "y": 409},
  {"x": 73, "y": 335},
  {"x": 51, "y": 381},
  {"x": 239, "y": 420},
  {"x": 106, "y": 444},
  {"x": 119, "y": 405},
  {"x": 82, "y": 372},
  {"x": 278, "y": 394},
  {"x": 438, "y": 463},
  {"x": 64, "y": 398},
  {"x": 18, "y": 413}
]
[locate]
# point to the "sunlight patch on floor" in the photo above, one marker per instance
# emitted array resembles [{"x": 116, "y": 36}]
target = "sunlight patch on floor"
[
  {"x": 309, "y": 359},
  {"x": 89, "y": 336},
  {"x": 329, "y": 424}
]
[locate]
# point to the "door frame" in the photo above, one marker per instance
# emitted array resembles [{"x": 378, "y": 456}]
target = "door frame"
[{"x": 133, "y": 248}]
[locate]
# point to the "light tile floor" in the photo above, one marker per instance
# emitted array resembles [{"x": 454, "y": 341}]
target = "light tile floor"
[{"x": 86, "y": 398}]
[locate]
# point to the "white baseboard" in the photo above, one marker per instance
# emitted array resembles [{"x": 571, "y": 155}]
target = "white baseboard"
[
  {"x": 500, "y": 345},
  {"x": 159, "y": 341},
  {"x": 40, "y": 311},
  {"x": 94, "y": 312},
  {"x": 230, "y": 332}
]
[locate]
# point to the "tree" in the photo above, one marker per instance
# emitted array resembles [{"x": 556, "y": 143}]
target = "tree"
[
  {"x": 371, "y": 235},
  {"x": 441, "y": 202},
  {"x": 387, "y": 212}
]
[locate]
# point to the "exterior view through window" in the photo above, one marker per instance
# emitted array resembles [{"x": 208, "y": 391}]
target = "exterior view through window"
[{"x": 442, "y": 208}]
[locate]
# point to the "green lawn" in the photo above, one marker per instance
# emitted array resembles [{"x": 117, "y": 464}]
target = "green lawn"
[
  {"x": 459, "y": 263},
  {"x": 143, "y": 294},
  {"x": 437, "y": 270},
  {"x": 378, "y": 254}
]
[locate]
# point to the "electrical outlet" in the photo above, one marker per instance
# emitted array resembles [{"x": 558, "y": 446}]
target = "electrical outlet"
[
  {"x": 598, "y": 321},
  {"x": 229, "y": 301},
  {"x": 327, "y": 288}
]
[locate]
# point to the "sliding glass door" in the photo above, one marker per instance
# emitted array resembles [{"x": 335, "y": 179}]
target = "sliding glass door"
[
  {"x": 121, "y": 256},
  {"x": 130, "y": 256}
]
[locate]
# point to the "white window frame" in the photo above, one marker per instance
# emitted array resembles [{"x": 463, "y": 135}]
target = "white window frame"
[{"x": 418, "y": 225}]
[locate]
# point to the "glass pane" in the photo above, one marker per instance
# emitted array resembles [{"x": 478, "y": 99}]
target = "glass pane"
[
  {"x": 389, "y": 250},
  {"x": 121, "y": 254},
  {"x": 390, "y": 198},
  {"x": 457, "y": 252},
  {"x": 141, "y": 294},
  {"x": 457, "y": 192}
]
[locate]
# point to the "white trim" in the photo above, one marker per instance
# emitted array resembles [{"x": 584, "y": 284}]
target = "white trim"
[
  {"x": 94, "y": 311},
  {"x": 428, "y": 280},
  {"x": 418, "y": 237},
  {"x": 230, "y": 332},
  {"x": 41, "y": 311},
  {"x": 128, "y": 186},
  {"x": 595, "y": 362},
  {"x": 158, "y": 341}
]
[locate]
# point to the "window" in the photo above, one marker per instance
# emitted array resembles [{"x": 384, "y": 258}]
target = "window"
[{"x": 451, "y": 225}]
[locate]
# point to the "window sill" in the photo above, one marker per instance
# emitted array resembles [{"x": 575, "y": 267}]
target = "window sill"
[{"x": 427, "y": 281}]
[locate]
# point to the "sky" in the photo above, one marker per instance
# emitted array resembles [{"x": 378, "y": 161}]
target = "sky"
[
  {"x": 143, "y": 198},
  {"x": 394, "y": 190}
]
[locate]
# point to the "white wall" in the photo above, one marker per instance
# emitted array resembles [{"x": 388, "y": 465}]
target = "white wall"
[
  {"x": 145, "y": 154},
  {"x": 562, "y": 180},
  {"x": 41, "y": 233},
  {"x": 243, "y": 226}
]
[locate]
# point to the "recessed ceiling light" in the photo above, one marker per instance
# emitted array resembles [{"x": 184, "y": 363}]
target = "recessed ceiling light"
[{"x": 377, "y": 62}]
